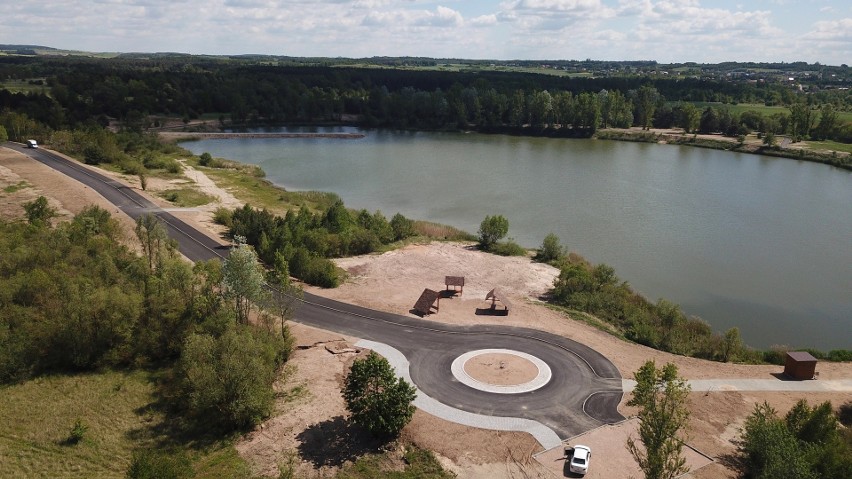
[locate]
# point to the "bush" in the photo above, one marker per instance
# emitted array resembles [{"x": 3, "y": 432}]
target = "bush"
[
  {"x": 508, "y": 248},
  {"x": 776, "y": 355},
  {"x": 223, "y": 216},
  {"x": 840, "y": 355},
  {"x": 227, "y": 381},
  {"x": 78, "y": 432},
  {"x": 205, "y": 159}
]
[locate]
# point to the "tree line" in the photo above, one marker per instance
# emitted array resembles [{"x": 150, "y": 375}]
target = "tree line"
[{"x": 88, "y": 91}]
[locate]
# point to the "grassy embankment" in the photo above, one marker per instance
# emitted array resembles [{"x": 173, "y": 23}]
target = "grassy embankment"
[{"x": 817, "y": 151}]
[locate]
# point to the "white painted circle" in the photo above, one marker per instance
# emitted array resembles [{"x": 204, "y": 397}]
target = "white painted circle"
[{"x": 543, "y": 377}]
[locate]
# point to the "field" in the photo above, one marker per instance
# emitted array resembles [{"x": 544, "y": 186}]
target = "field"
[
  {"x": 117, "y": 412},
  {"x": 843, "y": 116},
  {"x": 24, "y": 86}
]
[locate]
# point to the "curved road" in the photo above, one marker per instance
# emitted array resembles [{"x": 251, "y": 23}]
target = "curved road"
[{"x": 582, "y": 394}]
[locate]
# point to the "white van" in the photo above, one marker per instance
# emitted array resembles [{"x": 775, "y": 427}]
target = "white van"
[{"x": 32, "y": 144}]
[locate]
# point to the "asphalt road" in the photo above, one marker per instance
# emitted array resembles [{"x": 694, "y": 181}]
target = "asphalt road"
[{"x": 583, "y": 393}]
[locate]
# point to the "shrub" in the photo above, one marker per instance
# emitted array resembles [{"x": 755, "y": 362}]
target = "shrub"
[
  {"x": 227, "y": 381},
  {"x": 205, "y": 159},
  {"x": 223, "y": 216},
  {"x": 78, "y": 432},
  {"x": 840, "y": 355},
  {"x": 508, "y": 248},
  {"x": 776, "y": 355}
]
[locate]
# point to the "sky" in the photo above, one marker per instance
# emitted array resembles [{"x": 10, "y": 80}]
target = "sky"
[{"x": 663, "y": 30}]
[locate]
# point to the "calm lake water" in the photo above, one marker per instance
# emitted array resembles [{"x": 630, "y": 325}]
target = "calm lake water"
[{"x": 764, "y": 244}]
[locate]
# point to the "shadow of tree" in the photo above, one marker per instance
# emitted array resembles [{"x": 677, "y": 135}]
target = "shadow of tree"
[
  {"x": 733, "y": 461},
  {"x": 334, "y": 442}
]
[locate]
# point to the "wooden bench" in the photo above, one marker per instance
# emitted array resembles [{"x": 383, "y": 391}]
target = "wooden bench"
[
  {"x": 428, "y": 299},
  {"x": 455, "y": 281},
  {"x": 495, "y": 296}
]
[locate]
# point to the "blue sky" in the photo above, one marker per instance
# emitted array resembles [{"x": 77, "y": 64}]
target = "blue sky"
[{"x": 662, "y": 30}]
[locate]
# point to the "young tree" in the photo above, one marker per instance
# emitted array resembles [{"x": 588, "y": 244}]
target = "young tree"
[
  {"x": 38, "y": 211},
  {"x": 550, "y": 249},
  {"x": 491, "y": 230},
  {"x": 661, "y": 397},
  {"x": 243, "y": 279},
  {"x": 287, "y": 294},
  {"x": 732, "y": 344},
  {"x": 377, "y": 399}
]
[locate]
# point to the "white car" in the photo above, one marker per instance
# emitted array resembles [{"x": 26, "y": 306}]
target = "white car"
[{"x": 580, "y": 460}]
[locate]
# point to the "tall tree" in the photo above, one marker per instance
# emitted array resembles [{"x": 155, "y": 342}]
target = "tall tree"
[
  {"x": 646, "y": 105},
  {"x": 287, "y": 294},
  {"x": 828, "y": 122},
  {"x": 661, "y": 397},
  {"x": 377, "y": 399},
  {"x": 801, "y": 120},
  {"x": 243, "y": 279},
  {"x": 688, "y": 117}
]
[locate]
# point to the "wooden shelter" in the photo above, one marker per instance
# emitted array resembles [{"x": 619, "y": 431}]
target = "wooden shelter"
[
  {"x": 455, "y": 282},
  {"x": 495, "y": 296},
  {"x": 428, "y": 299},
  {"x": 800, "y": 365}
]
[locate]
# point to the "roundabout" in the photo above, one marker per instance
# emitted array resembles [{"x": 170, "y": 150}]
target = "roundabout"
[{"x": 501, "y": 371}]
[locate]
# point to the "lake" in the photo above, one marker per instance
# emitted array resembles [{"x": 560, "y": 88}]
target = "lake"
[{"x": 761, "y": 243}]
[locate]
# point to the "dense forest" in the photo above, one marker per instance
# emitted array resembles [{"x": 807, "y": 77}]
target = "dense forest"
[{"x": 78, "y": 91}]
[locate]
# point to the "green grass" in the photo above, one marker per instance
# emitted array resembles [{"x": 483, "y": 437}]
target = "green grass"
[
  {"x": 117, "y": 410},
  {"x": 186, "y": 197},
  {"x": 23, "y": 86},
  {"x": 843, "y": 116},
  {"x": 829, "y": 145},
  {"x": 16, "y": 187},
  {"x": 36, "y": 418},
  {"x": 419, "y": 464},
  {"x": 261, "y": 193}
]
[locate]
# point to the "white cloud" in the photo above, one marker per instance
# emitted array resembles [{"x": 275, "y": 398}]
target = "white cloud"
[
  {"x": 484, "y": 20},
  {"x": 665, "y": 30}
]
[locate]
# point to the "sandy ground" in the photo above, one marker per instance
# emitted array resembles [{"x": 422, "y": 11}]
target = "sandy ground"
[{"x": 309, "y": 430}]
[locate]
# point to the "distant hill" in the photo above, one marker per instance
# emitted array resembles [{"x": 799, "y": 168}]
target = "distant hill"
[{"x": 24, "y": 47}]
